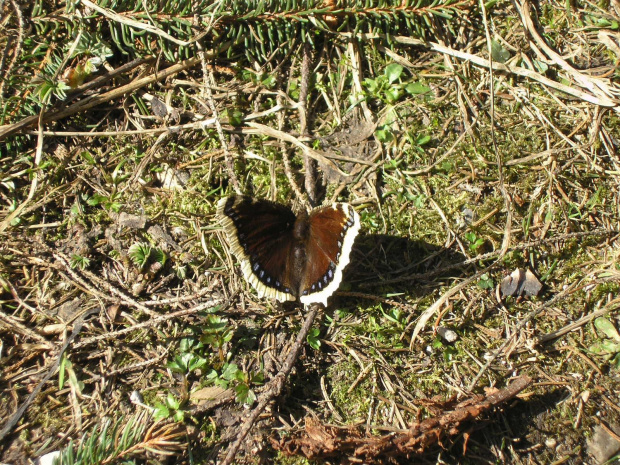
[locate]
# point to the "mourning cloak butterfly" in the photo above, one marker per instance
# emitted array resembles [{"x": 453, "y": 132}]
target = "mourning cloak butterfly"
[{"x": 287, "y": 256}]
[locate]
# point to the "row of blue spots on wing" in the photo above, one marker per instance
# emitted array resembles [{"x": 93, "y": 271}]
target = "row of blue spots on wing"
[
  {"x": 265, "y": 278},
  {"x": 345, "y": 228},
  {"x": 324, "y": 281}
]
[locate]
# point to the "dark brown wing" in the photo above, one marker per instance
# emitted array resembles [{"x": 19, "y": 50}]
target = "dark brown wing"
[
  {"x": 260, "y": 235},
  {"x": 332, "y": 231}
]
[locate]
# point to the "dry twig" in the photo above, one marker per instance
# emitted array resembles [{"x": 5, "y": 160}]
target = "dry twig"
[
  {"x": 274, "y": 387},
  {"x": 95, "y": 100},
  {"x": 319, "y": 441},
  {"x": 77, "y": 327}
]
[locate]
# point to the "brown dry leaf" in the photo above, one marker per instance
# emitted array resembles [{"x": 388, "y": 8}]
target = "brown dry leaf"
[
  {"x": 112, "y": 312},
  {"x": 603, "y": 445},
  {"x": 131, "y": 221},
  {"x": 611, "y": 41},
  {"x": 351, "y": 142},
  {"x": 209, "y": 393},
  {"x": 521, "y": 282}
]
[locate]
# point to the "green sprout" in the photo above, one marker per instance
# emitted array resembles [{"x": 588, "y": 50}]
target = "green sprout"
[
  {"x": 216, "y": 334},
  {"x": 242, "y": 382},
  {"x": 142, "y": 254},
  {"x": 609, "y": 346},
  {"x": 77, "y": 261}
]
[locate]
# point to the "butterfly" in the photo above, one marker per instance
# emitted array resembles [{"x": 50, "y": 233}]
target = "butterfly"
[{"x": 287, "y": 256}]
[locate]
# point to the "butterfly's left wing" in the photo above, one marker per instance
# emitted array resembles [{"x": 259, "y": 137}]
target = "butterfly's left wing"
[
  {"x": 260, "y": 235},
  {"x": 332, "y": 231}
]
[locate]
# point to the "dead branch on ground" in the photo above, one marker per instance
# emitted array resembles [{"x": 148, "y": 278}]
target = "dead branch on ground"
[{"x": 320, "y": 441}]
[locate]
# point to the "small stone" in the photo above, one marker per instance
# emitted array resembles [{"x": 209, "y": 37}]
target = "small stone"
[
  {"x": 128, "y": 220},
  {"x": 551, "y": 443},
  {"x": 468, "y": 216},
  {"x": 48, "y": 459},
  {"x": 447, "y": 334},
  {"x": 602, "y": 446},
  {"x": 159, "y": 108},
  {"x": 136, "y": 398}
]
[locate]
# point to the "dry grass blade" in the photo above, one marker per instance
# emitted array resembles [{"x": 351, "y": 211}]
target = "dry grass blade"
[
  {"x": 96, "y": 100},
  {"x": 607, "y": 99}
]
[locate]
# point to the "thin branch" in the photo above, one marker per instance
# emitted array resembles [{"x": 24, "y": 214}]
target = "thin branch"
[
  {"x": 601, "y": 100},
  {"x": 17, "y": 326},
  {"x": 320, "y": 441},
  {"x": 611, "y": 306},
  {"x": 35, "y": 175},
  {"x": 520, "y": 326},
  {"x": 309, "y": 163},
  {"x": 148, "y": 324},
  {"x": 77, "y": 327},
  {"x": 206, "y": 90},
  {"x": 256, "y": 128},
  {"x": 95, "y": 100},
  {"x": 498, "y": 155},
  {"x": 275, "y": 386}
]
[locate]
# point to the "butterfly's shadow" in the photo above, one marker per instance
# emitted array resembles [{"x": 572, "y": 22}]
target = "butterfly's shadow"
[{"x": 382, "y": 264}]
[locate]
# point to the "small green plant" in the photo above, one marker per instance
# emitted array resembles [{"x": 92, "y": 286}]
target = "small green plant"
[
  {"x": 242, "y": 382},
  {"x": 396, "y": 316},
  {"x": 234, "y": 116},
  {"x": 93, "y": 45},
  {"x": 216, "y": 333},
  {"x": 486, "y": 282},
  {"x": 186, "y": 362},
  {"x": 108, "y": 202},
  {"x": 49, "y": 84},
  {"x": 609, "y": 346},
  {"x": 118, "y": 175},
  {"x": 475, "y": 242},
  {"x": 389, "y": 88},
  {"x": 313, "y": 338},
  {"x": 47, "y": 88},
  {"x": 170, "y": 408},
  {"x": 498, "y": 52},
  {"x": 417, "y": 140},
  {"x": 384, "y": 134},
  {"x": 142, "y": 254},
  {"x": 266, "y": 79},
  {"x": 77, "y": 261},
  {"x": 448, "y": 352},
  {"x": 180, "y": 270},
  {"x": 389, "y": 328}
]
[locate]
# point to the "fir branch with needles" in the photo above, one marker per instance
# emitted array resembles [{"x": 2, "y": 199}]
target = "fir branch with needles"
[
  {"x": 123, "y": 438},
  {"x": 256, "y": 28}
]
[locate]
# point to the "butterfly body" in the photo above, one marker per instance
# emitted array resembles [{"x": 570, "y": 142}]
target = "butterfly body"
[{"x": 287, "y": 256}]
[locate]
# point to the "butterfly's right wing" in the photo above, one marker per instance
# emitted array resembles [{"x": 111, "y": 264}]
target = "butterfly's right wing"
[{"x": 332, "y": 231}]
